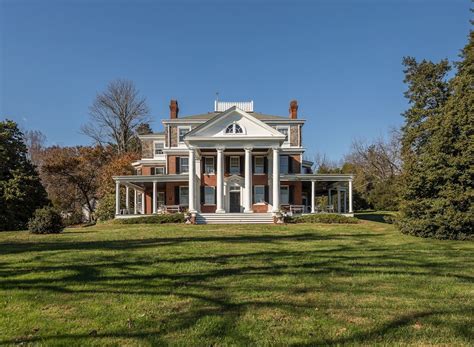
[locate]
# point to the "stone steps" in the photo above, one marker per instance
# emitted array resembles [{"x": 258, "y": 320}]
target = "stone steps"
[{"x": 234, "y": 218}]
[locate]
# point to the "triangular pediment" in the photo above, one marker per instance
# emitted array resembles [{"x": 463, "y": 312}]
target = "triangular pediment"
[{"x": 250, "y": 127}]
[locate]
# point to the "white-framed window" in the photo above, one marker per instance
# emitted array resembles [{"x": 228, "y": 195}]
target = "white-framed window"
[
  {"x": 183, "y": 164},
  {"x": 158, "y": 148},
  {"x": 234, "y": 128},
  {"x": 284, "y": 164},
  {"x": 234, "y": 165},
  {"x": 183, "y": 195},
  {"x": 138, "y": 171},
  {"x": 159, "y": 170},
  {"x": 259, "y": 194},
  {"x": 259, "y": 165},
  {"x": 210, "y": 195},
  {"x": 181, "y": 132},
  {"x": 160, "y": 199},
  {"x": 285, "y": 130},
  {"x": 284, "y": 195},
  {"x": 209, "y": 165}
]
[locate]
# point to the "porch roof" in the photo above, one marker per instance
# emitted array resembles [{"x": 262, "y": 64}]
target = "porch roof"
[
  {"x": 184, "y": 177},
  {"x": 151, "y": 178},
  {"x": 317, "y": 177}
]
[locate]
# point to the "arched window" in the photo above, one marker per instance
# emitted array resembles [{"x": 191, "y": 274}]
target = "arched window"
[{"x": 233, "y": 128}]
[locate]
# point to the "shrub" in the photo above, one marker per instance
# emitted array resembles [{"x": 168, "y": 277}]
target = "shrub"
[
  {"x": 155, "y": 219},
  {"x": 322, "y": 218},
  {"x": 46, "y": 221},
  {"x": 106, "y": 207}
]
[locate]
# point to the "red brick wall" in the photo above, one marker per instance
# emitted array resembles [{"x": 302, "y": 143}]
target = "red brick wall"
[
  {"x": 296, "y": 163},
  {"x": 259, "y": 180},
  {"x": 208, "y": 208},
  {"x": 172, "y": 164},
  {"x": 260, "y": 208},
  {"x": 297, "y": 191}
]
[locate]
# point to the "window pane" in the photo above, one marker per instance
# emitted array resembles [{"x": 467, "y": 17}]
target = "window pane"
[
  {"x": 183, "y": 196},
  {"x": 234, "y": 165},
  {"x": 184, "y": 165},
  {"x": 209, "y": 196},
  {"x": 284, "y": 195},
  {"x": 284, "y": 131},
  {"x": 284, "y": 164},
  {"x": 259, "y": 194},
  {"x": 159, "y": 147},
  {"x": 209, "y": 165},
  {"x": 259, "y": 165},
  {"x": 182, "y": 132}
]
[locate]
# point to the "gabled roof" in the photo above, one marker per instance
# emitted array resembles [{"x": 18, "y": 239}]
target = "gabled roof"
[
  {"x": 258, "y": 115},
  {"x": 266, "y": 131}
]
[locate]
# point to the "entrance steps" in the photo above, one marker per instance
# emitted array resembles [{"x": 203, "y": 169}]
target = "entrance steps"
[{"x": 234, "y": 218}]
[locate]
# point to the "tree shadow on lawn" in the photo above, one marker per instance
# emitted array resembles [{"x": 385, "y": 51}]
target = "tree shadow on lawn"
[
  {"x": 111, "y": 275},
  {"x": 71, "y": 244}
]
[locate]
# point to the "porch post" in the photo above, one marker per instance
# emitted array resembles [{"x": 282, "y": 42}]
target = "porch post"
[
  {"x": 345, "y": 201},
  {"x": 313, "y": 183},
  {"x": 135, "y": 199},
  {"x": 338, "y": 199},
  {"x": 248, "y": 180},
  {"x": 143, "y": 202},
  {"x": 117, "y": 197},
  {"x": 220, "y": 180},
  {"x": 127, "y": 198},
  {"x": 329, "y": 197},
  {"x": 154, "y": 196},
  {"x": 192, "y": 175},
  {"x": 276, "y": 179},
  {"x": 350, "y": 197}
]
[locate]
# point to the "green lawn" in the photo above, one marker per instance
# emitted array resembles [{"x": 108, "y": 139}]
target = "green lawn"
[{"x": 235, "y": 285}]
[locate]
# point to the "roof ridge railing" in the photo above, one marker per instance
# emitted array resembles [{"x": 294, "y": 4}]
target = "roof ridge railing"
[{"x": 221, "y": 106}]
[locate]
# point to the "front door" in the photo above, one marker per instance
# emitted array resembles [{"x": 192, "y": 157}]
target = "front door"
[{"x": 234, "y": 202}]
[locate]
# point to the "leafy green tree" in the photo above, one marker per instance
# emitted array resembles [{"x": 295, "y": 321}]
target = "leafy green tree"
[
  {"x": 21, "y": 191},
  {"x": 438, "y": 149}
]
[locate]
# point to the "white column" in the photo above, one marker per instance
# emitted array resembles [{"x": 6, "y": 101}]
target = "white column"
[
  {"x": 276, "y": 179},
  {"x": 154, "y": 196},
  {"x": 135, "y": 199},
  {"x": 330, "y": 197},
  {"x": 248, "y": 180},
  {"x": 192, "y": 179},
  {"x": 338, "y": 200},
  {"x": 350, "y": 197},
  {"x": 313, "y": 183},
  {"x": 220, "y": 181},
  {"x": 127, "y": 198},
  {"x": 143, "y": 202},
  {"x": 345, "y": 201},
  {"x": 117, "y": 197}
]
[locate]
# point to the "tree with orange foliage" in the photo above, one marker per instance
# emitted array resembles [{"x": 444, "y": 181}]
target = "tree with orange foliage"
[{"x": 71, "y": 177}]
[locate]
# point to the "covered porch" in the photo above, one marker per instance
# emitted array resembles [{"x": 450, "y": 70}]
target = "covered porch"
[
  {"x": 321, "y": 193},
  {"x": 150, "y": 194}
]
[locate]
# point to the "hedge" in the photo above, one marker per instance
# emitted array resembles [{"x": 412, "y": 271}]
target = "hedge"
[
  {"x": 155, "y": 219},
  {"x": 46, "y": 220},
  {"x": 322, "y": 218}
]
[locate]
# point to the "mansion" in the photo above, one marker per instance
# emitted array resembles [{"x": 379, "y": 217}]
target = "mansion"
[{"x": 230, "y": 165}]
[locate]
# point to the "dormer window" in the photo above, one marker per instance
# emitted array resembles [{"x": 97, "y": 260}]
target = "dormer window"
[{"x": 233, "y": 128}]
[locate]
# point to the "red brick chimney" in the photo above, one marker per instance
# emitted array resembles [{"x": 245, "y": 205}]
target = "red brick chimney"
[
  {"x": 293, "y": 109},
  {"x": 174, "y": 109}
]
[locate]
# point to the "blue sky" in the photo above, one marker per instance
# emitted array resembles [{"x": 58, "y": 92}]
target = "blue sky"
[{"x": 340, "y": 59}]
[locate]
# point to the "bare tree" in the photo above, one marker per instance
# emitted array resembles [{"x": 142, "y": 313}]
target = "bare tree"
[
  {"x": 115, "y": 115},
  {"x": 380, "y": 158},
  {"x": 35, "y": 141},
  {"x": 322, "y": 164}
]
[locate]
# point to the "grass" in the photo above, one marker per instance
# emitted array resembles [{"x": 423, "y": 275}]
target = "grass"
[{"x": 235, "y": 285}]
